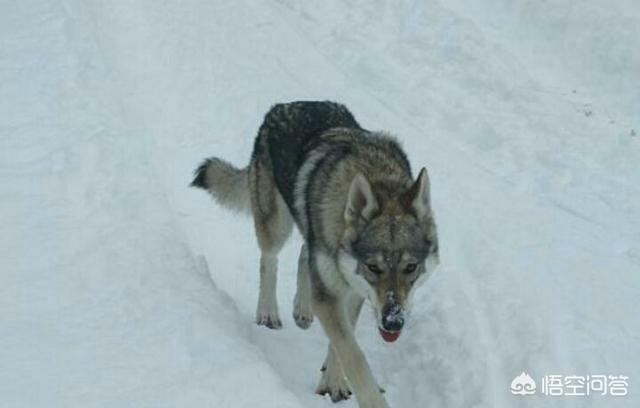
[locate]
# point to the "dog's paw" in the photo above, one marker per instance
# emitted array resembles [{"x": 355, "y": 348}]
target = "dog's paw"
[
  {"x": 334, "y": 385},
  {"x": 336, "y": 393},
  {"x": 302, "y": 314},
  {"x": 302, "y": 321},
  {"x": 269, "y": 321}
]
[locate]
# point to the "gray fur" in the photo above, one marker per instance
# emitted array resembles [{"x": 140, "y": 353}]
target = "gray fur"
[
  {"x": 227, "y": 184},
  {"x": 368, "y": 227}
]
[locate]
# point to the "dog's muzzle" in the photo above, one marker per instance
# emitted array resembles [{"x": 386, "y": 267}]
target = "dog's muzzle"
[{"x": 392, "y": 322}]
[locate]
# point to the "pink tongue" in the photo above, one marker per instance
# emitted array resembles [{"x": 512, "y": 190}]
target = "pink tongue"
[{"x": 389, "y": 337}]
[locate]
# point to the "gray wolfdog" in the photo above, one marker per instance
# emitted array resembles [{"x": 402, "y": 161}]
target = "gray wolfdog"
[{"x": 368, "y": 228}]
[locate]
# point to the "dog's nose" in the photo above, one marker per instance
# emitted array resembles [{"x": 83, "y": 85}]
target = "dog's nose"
[
  {"x": 392, "y": 317},
  {"x": 394, "y": 325}
]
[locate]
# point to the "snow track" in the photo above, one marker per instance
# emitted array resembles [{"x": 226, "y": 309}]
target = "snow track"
[{"x": 122, "y": 287}]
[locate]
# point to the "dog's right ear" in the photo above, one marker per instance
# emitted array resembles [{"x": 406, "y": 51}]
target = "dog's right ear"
[{"x": 361, "y": 203}]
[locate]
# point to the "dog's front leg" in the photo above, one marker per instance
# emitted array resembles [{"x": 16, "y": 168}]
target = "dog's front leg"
[
  {"x": 333, "y": 381},
  {"x": 335, "y": 322}
]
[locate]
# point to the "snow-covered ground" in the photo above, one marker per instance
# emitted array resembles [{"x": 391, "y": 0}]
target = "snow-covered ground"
[{"x": 122, "y": 287}]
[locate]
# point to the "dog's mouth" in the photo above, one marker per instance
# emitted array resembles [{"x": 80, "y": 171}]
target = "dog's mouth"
[{"x": 389, "y": 336}]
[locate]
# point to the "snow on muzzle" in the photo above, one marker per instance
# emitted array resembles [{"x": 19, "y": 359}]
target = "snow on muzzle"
[{"x": 391, "y": 322}]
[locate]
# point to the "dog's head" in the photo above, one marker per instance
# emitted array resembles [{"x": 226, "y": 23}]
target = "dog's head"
[{"x": 390, "y": 246}]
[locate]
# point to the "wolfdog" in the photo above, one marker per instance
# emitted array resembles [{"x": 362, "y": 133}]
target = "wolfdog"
[{"x": 368, "y": 228}]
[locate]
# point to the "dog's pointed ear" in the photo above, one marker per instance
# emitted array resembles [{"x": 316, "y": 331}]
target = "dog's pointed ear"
[
  {"x": 418, "y": 197},
  {"x": 361, "y": 203}
]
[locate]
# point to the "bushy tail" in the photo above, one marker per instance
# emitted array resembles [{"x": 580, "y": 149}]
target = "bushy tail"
[{"x": 228, "y": 185}]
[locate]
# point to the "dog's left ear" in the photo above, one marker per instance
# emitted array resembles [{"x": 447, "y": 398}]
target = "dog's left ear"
[{"x": 418, "y": 197}]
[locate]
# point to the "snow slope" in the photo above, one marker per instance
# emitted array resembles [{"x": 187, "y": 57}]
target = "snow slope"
[{"x": 122, "y": 287}]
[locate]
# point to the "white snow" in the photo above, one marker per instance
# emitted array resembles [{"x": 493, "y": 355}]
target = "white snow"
[{"x": 122, "y": 287}]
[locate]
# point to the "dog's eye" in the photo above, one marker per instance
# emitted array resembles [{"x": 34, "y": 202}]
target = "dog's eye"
[
  {"x": 374, "y": 268},
  {"x": 410, "y": 268}
]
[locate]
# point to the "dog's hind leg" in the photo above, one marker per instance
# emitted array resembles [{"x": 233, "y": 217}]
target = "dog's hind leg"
[
  {"x": 302, "y": 313},
  {"x": 273, "y": 224}
]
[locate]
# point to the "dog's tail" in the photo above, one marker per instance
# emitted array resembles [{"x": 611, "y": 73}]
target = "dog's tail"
[{"x": 228, "y": 185}]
